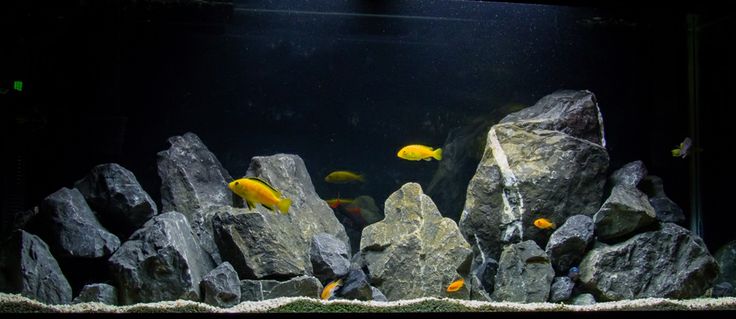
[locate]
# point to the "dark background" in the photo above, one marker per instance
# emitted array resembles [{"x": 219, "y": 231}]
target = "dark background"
[{"x": 345, "y": 84}]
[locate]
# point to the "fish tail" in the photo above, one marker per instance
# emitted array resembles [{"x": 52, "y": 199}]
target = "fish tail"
[
  {"x": 284, "y": 205},
  {"x": 437, "y": 154},
  {"x": 361, "y": 178}
]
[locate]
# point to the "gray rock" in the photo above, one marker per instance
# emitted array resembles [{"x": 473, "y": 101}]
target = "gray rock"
[
  {"x": 257, "y": 290},
  {"x": 414, "y": 252},
  {"x": 28, "y": 268},
  {"x": 264, "y": 244},
  {"x": 355, "y": 286},
  {"x": 102, "y": 293},
  {"x": 161, "y": 261},
  {"x": 726, "y": 259},
  {"x": 221, "y": 286},
  {"x": 723, "y": 289},
  {"x": 547, "y": 161},
  {"x": 624, "y": 213},
  {"x": 377, "y": 295},
  {"x": 561, "y": 289},
  {"x": 629, "y": 175},
  {"x": 524, "y": 274},
  {"x": 667, "y": 263},
  {"x": 667, "y": 210},
  {"x": 568, "y": 243},
  {"x": 17, "y": 220},
  {"x": 73, "y": 229},
  {"x": 119, "y": 200},
  {"x": 482, "y": 275},
  {"x": 192, "y": 180},
  {"x": 583, "y": 300},
  {"x": 329, "y": 257},
  {"x": 368, "y": 209}
]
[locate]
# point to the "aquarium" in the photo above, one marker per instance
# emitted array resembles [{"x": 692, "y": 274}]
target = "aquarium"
[{"x": 252, "y": 155}]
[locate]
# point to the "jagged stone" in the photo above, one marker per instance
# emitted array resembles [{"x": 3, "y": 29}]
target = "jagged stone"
[
  {"x": 221, "y": 286},
  {"x": 356, "y": 286},
  {"x": 329, "y": 257},
  {"x": 103, "y": 293},
  {"x": 568, "y": 243},
  {"x": 624, "y": 213},
  {"x": 524, "y": 274},
  {"x": 726, "y": 259},
  {"x": 257, "y": 290},
  {"x": 561, "y": 289},
  {"x": 629, "y": 175},
  {"x": 667, "y": 210},
  {"x": 377, "y": 295},
  {"x": 583, "y": 300}
]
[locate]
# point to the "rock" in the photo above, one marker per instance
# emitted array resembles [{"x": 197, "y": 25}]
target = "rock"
[
  {"x": 413, "y": 252},
  {"x": 377, "y": 295},
  {"x": 483, "y": 275},
  {"x": 192, "y": 180},
  {"x": 667, "y": 263},
  {"x": 257, "y": 290},
  {"x": 263, "y": 244},
  {"x": 221, "y": 286},
  {"x": 368, "y": 209},
  {"x": 723, "y": 289},
  {"x": 583, "y": 300},
  {"x": 119, "y": 200},
  {"x": 524, "y": 274},
  {"x": 667, "y": 211},
  {"x": 561, "y": 289},
  {"x": 161, "y": 261},
  {"x": 726, "y": 259},
  {"x": 73, "y": 229},
  {"x": 102, "y": 293},
  {"x": 17, "y": 220},
  {"x": 355, "y": 286},
  {"x": 329, "y": 257},
  {"x": 629, "y": 175},
  {"x": 548, "y": 160},
  {"x": 624, "y": 213},
  {"x": 568, "y": 243},
  {"x": 28, "y": 268}
]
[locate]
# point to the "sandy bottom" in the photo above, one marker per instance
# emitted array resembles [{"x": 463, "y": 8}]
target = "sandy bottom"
[{"x": 17, "y": 303}]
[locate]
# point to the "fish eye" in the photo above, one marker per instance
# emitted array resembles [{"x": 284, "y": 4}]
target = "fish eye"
[{"x": 236, "y": 183}]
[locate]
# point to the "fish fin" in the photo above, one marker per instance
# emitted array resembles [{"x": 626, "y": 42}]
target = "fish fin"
[
  {"x": 427, "y": 159},
  {"x": 676, "y": 152},
  {"x": 268, "y": 207},
  {"x": 251, "y": 205},
  {"x": 437, "y": 154},
  {"x": 361, "y": 178},
  {"x": 284, "y": 205}
]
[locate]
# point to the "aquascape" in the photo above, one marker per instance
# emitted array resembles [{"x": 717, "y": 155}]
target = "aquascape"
[{"x": 520, "y": 239}]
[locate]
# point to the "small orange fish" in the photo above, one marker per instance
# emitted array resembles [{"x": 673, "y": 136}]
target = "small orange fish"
[
  {"x": 330, "y": 289},
  {"x": 336, "y": 202},
  {"x": 456, "y": 285},
  {"x": 543, "y": 223}
]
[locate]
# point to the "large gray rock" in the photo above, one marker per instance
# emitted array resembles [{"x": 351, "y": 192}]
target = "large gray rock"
[
  {"x": 629, "y": 175},
  {"x": 624, "y": 213},
  {"x": 583, "y": 300},
  {"x": 356, "y": 286},
  {"x": 192, "y": 180},
  {"x": 28, "y": 268},
  {"x": 119, "y": 200},
  {"x": 667, "y": 210},
  {"x": 726, "y": 259},
  {"x": 264, "y": 244},
  {"x": 329, "y": 257},
  {"x": 524, "y": 274},
  {"x": 568, "y": 243},
  {"x": 667, "y": 263},
  {"x": 161, "y": 261},
  {"x": 221, "y": 286},
  {"x": 73, "y": 229},
  {"x": 414, "y": 252},
  {"x": 303, "y": 286},
  {"x": 561, "y": 289},
  {"x": 102, "y": 293},
  {"x": 547, "y": 160}
]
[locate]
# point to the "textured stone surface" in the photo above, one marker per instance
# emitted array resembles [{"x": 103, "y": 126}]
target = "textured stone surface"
[
  {"x": 115, "y": 195},
  {"x": 547, "y": 161},
  {"x": 561, "y": 289},
  {"x": 723, "y": 289},
  {"x": 377, "y": 295},
  {"x": 221, "y": 286},
  {"x": 73, "y": 229},
  {"x": 329, "y": 257},
  {"x": 624, "y": 213},
  {"x": 262, "y": 244},
  {"x": 629, "y": 175},
  {"x": 161, "y": 261},
  {"x": 103, "y": 293},
  {"x": 583, "y": 300},
  {"x": 666, "y": 209},
  {"x": 524, "y": 274},
  {"x": 355, "y": 286},
  {"x": 568, "y": 243},
  {"x": 256, "y": 290},
  {"x": 726, "y": 259},
  {"x": 28, "y": 268},
  {"x": 667, "y": 263},
  {"x": 414, "y": 252}
]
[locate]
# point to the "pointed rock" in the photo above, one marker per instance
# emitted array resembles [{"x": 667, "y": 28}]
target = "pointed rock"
[
  {"x": 667, "y": 210},
  {"x": 329, "y": 257},
  {"x": 524, "y": 274},
  {"x": 102, "y": 293},
  {"x": 221, "y": 286},
  {"x": 568, "y": 244},
  {"x": 624, "y": 213}
]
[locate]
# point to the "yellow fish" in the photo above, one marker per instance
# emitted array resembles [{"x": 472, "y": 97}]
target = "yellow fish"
[
  {"x": 342, "y": 177},
  {"x": 456, "y": 285},
  {"x": 543, "y": 223},
  {"x": 418, "y": 152},
  {"x": 255, "y": 190},
  {"x": 330, "y": 289}
]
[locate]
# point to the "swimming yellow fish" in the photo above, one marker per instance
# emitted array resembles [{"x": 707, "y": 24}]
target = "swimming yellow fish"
[
  {"x": 456, "y": 285},
  {"x": 418, "y": 152},
  {"x": 330, "y": 289},
  {"x": 342, "y": 177},
  {"x": 543, "y": 223},
  {"x": 255, "y": 190},
  {"x": 682, "y": 149}
]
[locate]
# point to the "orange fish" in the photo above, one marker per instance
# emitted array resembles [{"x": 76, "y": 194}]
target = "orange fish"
[
  {"x": 336, "y": 202},
  {"x": 330, "y": 289},
  {"x": 544, "y": 223},
  {"x": 456, "y": 285}
]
